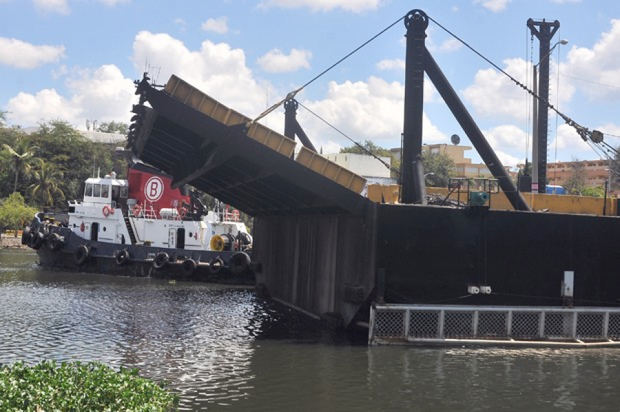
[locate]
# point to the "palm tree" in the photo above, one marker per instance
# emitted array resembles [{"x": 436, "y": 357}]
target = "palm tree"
[
  {"x": 20, "y": 154},
  {"x": 46, "y": 186}
]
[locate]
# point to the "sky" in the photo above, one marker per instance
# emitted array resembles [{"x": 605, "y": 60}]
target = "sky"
[{"x": 76, "y": 60}]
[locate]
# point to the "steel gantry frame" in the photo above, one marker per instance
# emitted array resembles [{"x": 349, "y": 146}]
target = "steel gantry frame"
[{"x": 418, "y": 61}]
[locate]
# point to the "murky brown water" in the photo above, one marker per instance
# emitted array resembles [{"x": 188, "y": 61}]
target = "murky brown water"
[{"x": 222, "y": 348}]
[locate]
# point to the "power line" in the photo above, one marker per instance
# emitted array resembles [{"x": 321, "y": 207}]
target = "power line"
[{"x": 591, "y": 81}]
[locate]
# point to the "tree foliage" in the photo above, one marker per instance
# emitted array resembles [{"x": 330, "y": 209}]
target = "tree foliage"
[
  {"x": 576, "y": 182},
  {"x": 47, "y": 181},
  {"x": 438, "y": 167},
  {"x": 49, "y": 386},
  {"x": 14, "y": 214},
  {"x": 20, "y": 154},
  {"x": 68, "y": 155},
  {"x": 113, "y": 127}
]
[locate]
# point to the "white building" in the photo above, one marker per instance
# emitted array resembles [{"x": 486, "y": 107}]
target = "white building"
[{"x": 363, "y": 165}]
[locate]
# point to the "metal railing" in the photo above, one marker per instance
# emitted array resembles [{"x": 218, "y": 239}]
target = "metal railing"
[{"x": 392, "y": 324}]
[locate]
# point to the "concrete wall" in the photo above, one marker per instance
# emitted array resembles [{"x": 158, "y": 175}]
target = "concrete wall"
[
  {"x": 499, "y": 201},
  {"x": 312, "y": 262}
]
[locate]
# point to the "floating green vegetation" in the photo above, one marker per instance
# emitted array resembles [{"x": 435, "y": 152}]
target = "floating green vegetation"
[{"x": 76, "y": 386}]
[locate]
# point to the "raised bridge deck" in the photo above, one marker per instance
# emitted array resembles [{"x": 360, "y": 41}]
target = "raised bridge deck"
[{"x": 219, "y": 151}]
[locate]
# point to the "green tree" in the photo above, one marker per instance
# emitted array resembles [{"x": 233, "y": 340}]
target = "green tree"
[
  {"x": 2, "y": 118},
  {"x": 438, "y": 167},
  {"x": 113, "y": 127},
  {"x": 367, "y": 147},
  {"x": 597, "y": 191},
  {"x": 576, "y": 182},
  {"x": 47, "y": 180},
  {"x": 20, "y": 154},
  {"x": 14, "y": 214}
]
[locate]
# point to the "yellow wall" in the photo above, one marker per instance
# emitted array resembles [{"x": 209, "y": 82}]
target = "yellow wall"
[{"x": 499, "y": 201}]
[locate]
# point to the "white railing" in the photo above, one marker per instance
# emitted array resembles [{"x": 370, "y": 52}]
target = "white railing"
[{"x": 392, "y": 324}]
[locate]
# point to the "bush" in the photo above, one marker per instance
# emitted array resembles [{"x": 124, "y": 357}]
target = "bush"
[
  {"x": 14, "y": 214},
  {"x": 79, "y": 386}
]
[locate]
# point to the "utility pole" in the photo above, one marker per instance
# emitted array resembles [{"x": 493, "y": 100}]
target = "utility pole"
[{"x": 544, "y": 31}]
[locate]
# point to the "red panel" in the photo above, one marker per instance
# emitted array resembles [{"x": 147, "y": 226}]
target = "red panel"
[{"x": 154, "y": 190}]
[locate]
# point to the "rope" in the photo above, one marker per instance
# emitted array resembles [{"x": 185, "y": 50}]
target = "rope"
[
  {"x": 350, "y": 139},
  {"x": 292, "y": 94}
]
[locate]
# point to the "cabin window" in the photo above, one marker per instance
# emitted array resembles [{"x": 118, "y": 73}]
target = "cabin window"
[
  {"x": 97, "y": 190},
  {"x": 89, "y": 189},
  {"x": 105, "y": 191}
]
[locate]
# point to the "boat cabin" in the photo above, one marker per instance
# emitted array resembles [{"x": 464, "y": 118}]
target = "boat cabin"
[{"x": 106, "y": 190}]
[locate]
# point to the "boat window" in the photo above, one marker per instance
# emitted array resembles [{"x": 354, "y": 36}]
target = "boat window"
[
  {"x": 97, "y": 190},
  {"x": 89, "y": 189},
  {"x": 124, "y": 192},
  {"x": 115, "y": 192},
  {"x": 105, "y": 191}
]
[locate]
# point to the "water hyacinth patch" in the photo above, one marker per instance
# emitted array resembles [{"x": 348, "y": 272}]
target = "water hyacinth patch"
[{"x": 49, "y": 386}]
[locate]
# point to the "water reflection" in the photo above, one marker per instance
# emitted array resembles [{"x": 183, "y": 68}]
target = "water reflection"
[{"x": 223, "y": 347}]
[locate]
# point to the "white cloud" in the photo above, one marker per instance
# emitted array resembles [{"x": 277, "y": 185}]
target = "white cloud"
[
  {"x": 275, "y": 61},
  {"x": 53, "y": 6},
  {"x": 494, "y": 95},
  {"x": 219, "y": 25},
  {"x": 494, "y": 5},
  {"x": 103, "y": 94},
  {"x": 24, "y": 55},
  {"x": 568, "y": 139},
  {"x": 364, "y": 110},
  {"x": 450, "y": 45},
  {"x": 355, "y": 6},
  {"x": 600, "y": 64},
  {"x": 391, "y": 64},
  {"x": 181, "y": 24},
  {"x": 216, "y": 69}
]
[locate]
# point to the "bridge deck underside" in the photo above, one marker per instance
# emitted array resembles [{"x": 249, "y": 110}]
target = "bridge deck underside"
[{"x": 224, "y": 162}]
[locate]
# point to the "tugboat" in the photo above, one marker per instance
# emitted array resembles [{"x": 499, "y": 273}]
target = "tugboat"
[{"x": 143, "y": 227}]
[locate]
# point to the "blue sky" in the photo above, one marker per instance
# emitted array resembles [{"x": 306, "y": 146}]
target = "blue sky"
[{"x": 76, "y": 59}]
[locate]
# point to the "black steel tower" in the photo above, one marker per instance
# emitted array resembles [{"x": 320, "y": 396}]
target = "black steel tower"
[{"x": 544, "y": 31}]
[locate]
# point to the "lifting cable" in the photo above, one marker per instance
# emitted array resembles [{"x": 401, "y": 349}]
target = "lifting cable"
[
  {"x": 353, "y": 141},
  {"x": 292, "y": 94},
  {"x": 584, "y": 132}
]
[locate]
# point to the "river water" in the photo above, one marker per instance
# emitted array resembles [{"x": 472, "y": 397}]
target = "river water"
[{"x": 221, "y": 348}]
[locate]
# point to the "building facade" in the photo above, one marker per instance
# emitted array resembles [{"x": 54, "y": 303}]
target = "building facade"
[{"x": 596, "y": 172}]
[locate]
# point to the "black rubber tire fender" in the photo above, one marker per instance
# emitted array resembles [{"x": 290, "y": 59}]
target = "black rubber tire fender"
[
  {"x": 161, "y": 260},
  {"x": 189, "y": 266},
  {"x": 81, "y": 254},
  {"x": 54, "y": 242},
  {"x": 36, "y": 240},
  {"x": 216, "y": 265},
  {"x": 122, "y": 256},
  {"x": 25, "y": 235},
  {"x": 239, "y": 262}
]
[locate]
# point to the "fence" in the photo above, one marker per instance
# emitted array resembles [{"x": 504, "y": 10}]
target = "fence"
[{"x": 393, "y": 324}]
